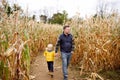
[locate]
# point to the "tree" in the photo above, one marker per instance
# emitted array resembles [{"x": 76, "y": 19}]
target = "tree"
[
  {"x": 16, "y": 7},
  {"x": 59, "y": 18},
  {"x": 9, "y": 9},
  {"x": 103, "y": 8}
]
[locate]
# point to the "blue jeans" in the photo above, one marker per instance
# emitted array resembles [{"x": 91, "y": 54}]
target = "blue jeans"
[{"x": 65, "y": 63}]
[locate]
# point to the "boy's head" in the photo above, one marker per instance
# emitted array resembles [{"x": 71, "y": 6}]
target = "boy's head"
[{"x": 49, "y": 47}]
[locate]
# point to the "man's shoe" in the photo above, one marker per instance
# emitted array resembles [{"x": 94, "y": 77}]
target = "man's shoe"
[{"x": 65, "y": 78}]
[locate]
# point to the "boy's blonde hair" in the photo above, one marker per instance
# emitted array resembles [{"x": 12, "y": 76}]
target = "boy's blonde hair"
[{"x": 49, "y": 47}]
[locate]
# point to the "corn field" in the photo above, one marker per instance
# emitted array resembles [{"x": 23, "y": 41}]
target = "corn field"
[{"x": 97, "y": 42}]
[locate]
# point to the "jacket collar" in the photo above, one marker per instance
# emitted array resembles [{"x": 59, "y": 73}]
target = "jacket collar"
[{"x": 66, "y": 35}]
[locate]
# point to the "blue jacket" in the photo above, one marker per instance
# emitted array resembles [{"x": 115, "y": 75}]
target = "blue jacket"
[{"x": 66, "y": 43}]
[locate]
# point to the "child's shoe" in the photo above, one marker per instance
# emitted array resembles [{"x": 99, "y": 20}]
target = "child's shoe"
[{"x": 51, "y": 74}]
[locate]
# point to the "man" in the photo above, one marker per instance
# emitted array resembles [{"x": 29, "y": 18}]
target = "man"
[{"x": 66, "y": 43}]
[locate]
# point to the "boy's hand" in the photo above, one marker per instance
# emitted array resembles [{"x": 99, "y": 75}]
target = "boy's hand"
[{"x": 56, "y": 54}]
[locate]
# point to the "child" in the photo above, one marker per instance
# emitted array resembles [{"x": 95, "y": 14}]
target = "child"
[{"x": 50, "y": 54}]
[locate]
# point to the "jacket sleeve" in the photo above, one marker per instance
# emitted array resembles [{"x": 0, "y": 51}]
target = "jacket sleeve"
[
  {"x": 57, "y": 44},
  {"x": 44, "y": 53},
  {"x": 73, "y": 44},
  {"x": 54, "y": 53}
]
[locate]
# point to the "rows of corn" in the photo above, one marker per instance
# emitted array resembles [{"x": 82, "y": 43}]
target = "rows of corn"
[
  {"x": 97, "y": 43},
  {"x": 21, "y": 39}
]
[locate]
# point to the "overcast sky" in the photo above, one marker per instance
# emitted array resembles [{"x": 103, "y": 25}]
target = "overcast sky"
[{"x": 84, "y": 7}]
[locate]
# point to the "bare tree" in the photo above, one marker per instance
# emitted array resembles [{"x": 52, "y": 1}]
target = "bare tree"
[
  {"x": 104, "y": 8},
  {"x": 101, "y": 8}
]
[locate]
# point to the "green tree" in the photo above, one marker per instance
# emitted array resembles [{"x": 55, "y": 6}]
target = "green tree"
[
  {"x": 59, "y": 18},
  {"x": 6, "y": 8},
  {"x": 16, "y": 7}
]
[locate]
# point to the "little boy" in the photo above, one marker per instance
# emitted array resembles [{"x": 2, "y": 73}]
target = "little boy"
[{"x": 50, "y": 54}]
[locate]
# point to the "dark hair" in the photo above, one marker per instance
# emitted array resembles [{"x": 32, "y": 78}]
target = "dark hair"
[{"x": 65, "y": 27}]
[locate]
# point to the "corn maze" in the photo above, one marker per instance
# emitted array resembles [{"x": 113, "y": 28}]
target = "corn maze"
[{"x": 97, "y": 44}]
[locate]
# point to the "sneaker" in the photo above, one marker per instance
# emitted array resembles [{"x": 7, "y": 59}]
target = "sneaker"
[
  {"x": 49, "y": 73},
  {"x": 65, "y": 79},
  {"x": 52, "y": 76}
]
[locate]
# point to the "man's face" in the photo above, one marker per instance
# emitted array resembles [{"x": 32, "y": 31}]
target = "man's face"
[{"x": 67, "y": 30}]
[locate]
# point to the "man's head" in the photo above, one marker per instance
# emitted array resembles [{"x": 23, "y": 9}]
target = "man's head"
[{"x": 66, "y": 29}]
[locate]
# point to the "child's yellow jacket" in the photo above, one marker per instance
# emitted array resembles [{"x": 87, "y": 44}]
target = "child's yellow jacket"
[{"x": 49, "y": 55}]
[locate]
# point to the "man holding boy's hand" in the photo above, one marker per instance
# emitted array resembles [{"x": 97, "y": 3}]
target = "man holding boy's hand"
[{"x": 66, "y": 43}]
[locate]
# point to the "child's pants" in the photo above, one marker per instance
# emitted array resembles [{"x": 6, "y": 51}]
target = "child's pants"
[{"x": 50, "y": 66}]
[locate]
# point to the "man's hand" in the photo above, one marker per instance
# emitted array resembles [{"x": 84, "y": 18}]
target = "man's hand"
[{"x": 72, "y": 52}]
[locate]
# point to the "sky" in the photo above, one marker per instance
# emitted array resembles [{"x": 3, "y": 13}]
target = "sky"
[{"x": 48, "y": 7}]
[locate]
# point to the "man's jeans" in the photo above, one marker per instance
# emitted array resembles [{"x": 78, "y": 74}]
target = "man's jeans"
[{"x": 65, "y": 63}]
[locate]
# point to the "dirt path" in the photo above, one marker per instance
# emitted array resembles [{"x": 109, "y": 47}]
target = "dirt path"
[{"x": 39, "y": 70}]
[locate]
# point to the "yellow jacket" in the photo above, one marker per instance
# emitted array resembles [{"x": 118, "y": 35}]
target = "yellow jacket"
[{"x": 49, "y": 55}]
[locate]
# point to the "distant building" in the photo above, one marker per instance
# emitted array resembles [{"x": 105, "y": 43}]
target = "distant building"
[{"x": 43, "y": 18}]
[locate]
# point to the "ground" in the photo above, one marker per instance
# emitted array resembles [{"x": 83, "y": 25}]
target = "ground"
[{"x": 38, "y": 70}]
